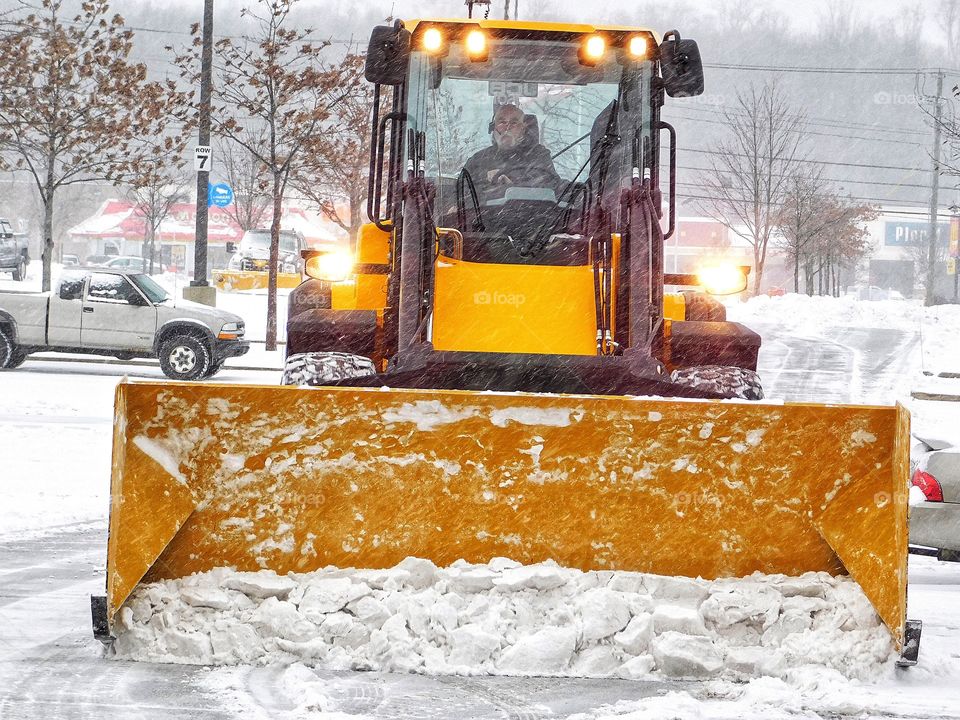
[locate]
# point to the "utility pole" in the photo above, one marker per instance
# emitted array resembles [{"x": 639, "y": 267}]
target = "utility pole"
[
  {"x": 932, "y": 239},
  {"x": 206, "y": 294},
  {"x": 506, "y": 9}
]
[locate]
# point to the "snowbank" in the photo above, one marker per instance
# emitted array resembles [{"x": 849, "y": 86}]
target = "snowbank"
[
  {"x": 939, "y": 326},
  {"x": 503, "y": 618}
]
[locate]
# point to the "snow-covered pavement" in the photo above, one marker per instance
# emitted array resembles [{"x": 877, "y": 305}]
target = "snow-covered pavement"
[{"x": 55, "y": 421}]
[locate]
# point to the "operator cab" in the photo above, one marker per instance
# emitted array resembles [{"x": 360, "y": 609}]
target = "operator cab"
[{"x": 529, "y": 204}]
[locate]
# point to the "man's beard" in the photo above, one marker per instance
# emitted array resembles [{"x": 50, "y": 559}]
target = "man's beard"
[{"x": 505, "y": 141}]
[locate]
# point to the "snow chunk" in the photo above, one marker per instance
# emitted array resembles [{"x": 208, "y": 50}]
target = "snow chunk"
[
  {"x": 680, "y": 655},
  {"x": 596, "y": 661},
  {"x": 548, "y": 650},
  {"x": 471, "y": 645},
  {"x": 263, "y": 584},
  {"x": 209, "y": 597},
  {"x": 638, "y": 667},
  {"x": 741, "y": 601},
  {"x": 282, "y": 619},
  {"x": 674, "y": 618},
  {"x": 604, "y": 613},
  {"x": 326, "y": 595},
  {"x": 667, "y": 587},
  {"x": 636, "y": 636},
  {"x": 421, "y": 573},
  {"x": 535, "y": 577}
]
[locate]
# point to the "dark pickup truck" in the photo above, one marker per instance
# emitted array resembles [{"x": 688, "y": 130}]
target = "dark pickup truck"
[{"x": 13, "y": 251}]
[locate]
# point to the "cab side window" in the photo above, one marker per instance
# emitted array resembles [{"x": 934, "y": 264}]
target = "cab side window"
[
  {"x": 71, "y": 286},
  {"x": 110, "y": 288}
]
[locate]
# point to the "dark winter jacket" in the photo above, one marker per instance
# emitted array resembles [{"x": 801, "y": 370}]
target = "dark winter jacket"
[{"x": 528, "y": 165}]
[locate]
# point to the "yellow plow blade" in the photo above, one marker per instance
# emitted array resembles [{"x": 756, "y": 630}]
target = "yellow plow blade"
[
  {"x": 235, "y": 280},
  {"x": 294, "y": 479}
]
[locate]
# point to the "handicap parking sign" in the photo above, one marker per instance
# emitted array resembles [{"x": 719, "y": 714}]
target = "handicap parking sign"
[{"x": 220, "y": 195}]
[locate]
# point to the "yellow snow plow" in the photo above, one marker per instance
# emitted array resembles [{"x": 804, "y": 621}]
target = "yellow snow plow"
[
  {"x": 482, "y": 366},
  {"x": 294, "y": 480},
  {"x": 237, "y": 280}
]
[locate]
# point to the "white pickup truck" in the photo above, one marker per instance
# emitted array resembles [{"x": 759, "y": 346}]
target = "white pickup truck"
[{"x": 104, "y": 311}]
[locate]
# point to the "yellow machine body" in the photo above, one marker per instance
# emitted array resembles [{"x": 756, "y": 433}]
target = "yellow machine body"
[
  {"x": 290, "y": 479},
  {"x": 486, "y": 307}
]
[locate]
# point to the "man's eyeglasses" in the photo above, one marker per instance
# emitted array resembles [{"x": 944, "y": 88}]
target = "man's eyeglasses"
[{"x": 504, "y": 124}]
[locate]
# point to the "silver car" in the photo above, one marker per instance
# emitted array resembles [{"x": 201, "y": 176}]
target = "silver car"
[{"x": 935, "y": 499}]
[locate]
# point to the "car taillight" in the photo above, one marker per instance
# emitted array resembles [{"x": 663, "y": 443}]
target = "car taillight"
[{"x": 928, "y": 484}]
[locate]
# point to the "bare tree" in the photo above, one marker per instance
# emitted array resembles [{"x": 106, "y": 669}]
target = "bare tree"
[
  {"x": 839, "y": 246},
  {"x": 276, "y": 80},
  {"x": 751, "y": 168},
  {"x": 949, "y": 19},
  {"x": 74, "y": 108},
  {"x": 160, "y": 186},
  {"x": 250, "y": 183},
  {"x": 336, "y": 172}
]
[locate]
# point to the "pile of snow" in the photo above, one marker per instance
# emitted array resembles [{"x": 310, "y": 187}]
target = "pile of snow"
[
  {"x": 939, "y": 325},
  {"x": 503, "y": 618},
  {"x": 801, "y": 314}
]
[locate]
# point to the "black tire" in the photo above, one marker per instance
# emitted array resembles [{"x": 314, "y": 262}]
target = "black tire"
[
  {"x": 703, "y": 307},
  {"x": 731, "y": 382},
  {"x": 184, "y": 357},
  {"x": 322, "y": 368},
  {"x": 20, "y": 271},
  {"x": 10, "y": 355}
]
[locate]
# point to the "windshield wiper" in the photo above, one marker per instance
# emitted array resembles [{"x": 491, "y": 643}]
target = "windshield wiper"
[
  {"x": 601, "y": 152},
  {"x": 573, "y": 144}
]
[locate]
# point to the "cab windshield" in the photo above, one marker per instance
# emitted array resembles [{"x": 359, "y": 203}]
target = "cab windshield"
[
  {"x": 150, "y": 288},
  {"x": 514, "y": 145}
]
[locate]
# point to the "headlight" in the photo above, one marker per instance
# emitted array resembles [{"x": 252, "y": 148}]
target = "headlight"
[
  {"x": 722, "y": 279},
  {"x": 231, "y": 331},
  {"x": 334, "y": 266}
]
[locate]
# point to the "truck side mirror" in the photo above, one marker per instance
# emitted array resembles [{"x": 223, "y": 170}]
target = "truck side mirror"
[
  {"x": 387, "y": 55},
  {"x": 231, "y": 247},
  {"x": 680, "y": 66}
]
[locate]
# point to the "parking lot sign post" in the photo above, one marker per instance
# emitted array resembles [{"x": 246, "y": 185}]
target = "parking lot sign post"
[{"x": 199, "y": 289}]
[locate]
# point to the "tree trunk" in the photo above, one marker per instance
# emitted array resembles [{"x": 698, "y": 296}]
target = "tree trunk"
[
  {"x": 757, "y": 270},
  {"x": 47, "y": 254},
  {"x": 271, "y": 344},
  {"x": 796, "y": 272},
  {"x": 356, "y": 218}
]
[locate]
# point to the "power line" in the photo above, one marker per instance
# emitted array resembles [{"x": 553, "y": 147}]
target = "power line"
[
  {"x": 807, "y": 120},
  {"x": 810, "y": 160},
  {"x": 816, "y": 132},
  {"x": 886, "y": 201},
  {"x": 827, "y": 70},
  {"x": 826, "y": 179}
]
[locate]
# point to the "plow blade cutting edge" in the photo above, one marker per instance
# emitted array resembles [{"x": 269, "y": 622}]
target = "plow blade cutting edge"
[{"x": 291, "y": 479}]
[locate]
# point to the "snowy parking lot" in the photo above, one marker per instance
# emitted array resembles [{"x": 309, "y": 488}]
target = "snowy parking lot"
[{"x": 56, "y": 418}]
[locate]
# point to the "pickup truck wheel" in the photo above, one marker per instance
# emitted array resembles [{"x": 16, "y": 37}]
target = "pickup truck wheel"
[
  {"x": 10, "y": 355},
  {"x": 184, "y": 357},
  {"x": 20, "y": 271}
]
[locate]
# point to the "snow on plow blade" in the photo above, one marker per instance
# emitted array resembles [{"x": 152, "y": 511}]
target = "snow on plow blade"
[{"x": 294, "y": 479}]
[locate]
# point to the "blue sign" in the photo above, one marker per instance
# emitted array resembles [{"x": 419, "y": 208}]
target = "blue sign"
[
  {"x": 220, "y": 195},
  {"x": 905, "y": 233}
]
